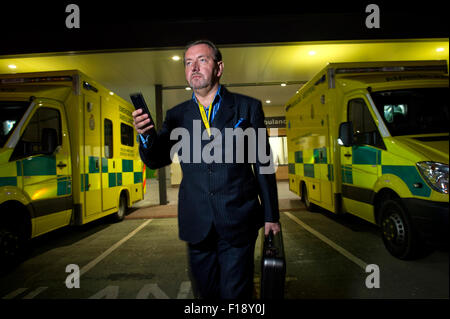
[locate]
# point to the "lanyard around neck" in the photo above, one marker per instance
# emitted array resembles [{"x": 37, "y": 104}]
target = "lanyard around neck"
[{"x": 204, "y": 118}]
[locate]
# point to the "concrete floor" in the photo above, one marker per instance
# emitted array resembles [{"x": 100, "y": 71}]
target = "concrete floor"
[{"x": 142, "y": 257}]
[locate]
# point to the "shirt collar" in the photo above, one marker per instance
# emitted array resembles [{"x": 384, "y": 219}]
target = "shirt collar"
[{"x": 217, "y": 97}]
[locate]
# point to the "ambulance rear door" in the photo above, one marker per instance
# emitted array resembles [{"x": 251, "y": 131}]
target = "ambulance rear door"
[{"x": 91, "y": 177}]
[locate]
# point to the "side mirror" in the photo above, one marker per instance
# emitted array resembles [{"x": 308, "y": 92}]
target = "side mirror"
[
  {"x": 346, "y": 134},
  {"x": 49, "y": 140}
]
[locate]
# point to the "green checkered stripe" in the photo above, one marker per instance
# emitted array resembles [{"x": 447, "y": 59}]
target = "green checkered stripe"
[
  {"x": 368, "y": 158},
  {"x": 308, "y": 163},
  {"x": 115, "y": 177},
  {"x": 35, "y": 167},
  {"x": 364, "y": 158}
]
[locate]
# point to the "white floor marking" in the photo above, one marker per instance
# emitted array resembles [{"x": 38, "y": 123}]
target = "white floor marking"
[
  {"x": 90, "y": 265},
  {"x": 151, "y": 289},
  {"x": 184, "y": 290},
  {"x": 15, "y": 293},
  {"x": 329, "y": 242},
  {"x": 35, "y": 292}
]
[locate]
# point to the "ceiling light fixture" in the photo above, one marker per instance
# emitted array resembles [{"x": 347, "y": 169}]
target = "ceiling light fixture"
[
  {"x": 312, "y": 52},
  {"x": 268, "y": 101},
  {"x": 283, "y": 84},
  {"x": 12, "y": 66},
  {"x": 187, "y": 88},
  {"x": 440, "y": 50},
  {"x": 176, "y": 58}
]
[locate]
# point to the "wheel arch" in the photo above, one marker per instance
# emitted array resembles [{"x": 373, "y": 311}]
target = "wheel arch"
[
  {"x": 380, "y": 197},
  {"x": 124, "y": 192}
]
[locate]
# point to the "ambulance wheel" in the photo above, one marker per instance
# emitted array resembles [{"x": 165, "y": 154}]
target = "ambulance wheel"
[
  {"x": 397, "y": 231},
  {"x": 120, "y": 215},
  {"x": 305, "y": 197},
  {"x": 12, "y": 247}
]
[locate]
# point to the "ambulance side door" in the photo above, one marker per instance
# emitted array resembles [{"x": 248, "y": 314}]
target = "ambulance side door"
[{"x": 361, "y": 162}]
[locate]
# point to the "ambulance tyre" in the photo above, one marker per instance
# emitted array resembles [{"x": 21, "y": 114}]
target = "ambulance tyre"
[
  {"x": 13, "y": 243},
  {"x": 120, "y": 215},
  {"x": 397, "y": 231}
]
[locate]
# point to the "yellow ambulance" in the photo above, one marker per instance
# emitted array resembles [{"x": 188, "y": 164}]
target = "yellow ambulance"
[
  {"x": 372, "y": 139},
  {"x": 68, "y": 155}
]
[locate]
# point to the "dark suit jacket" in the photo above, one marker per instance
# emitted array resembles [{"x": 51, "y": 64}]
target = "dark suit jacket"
[{"x": 235, "y": 197}]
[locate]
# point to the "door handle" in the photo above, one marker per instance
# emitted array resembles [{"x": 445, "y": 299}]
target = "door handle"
[
  {"x": 61, "y": 165},
  {"x": 348, "y": 155}
]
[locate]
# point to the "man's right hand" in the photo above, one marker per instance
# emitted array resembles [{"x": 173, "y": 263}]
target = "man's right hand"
[{"x": 141, "y": 121}]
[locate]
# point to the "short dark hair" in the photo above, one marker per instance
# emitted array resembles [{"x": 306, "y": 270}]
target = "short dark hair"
[{"x": 216, "y": 52}]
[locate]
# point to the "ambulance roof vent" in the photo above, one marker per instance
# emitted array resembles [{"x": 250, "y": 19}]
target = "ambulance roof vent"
[
  {"x": 41, "y": 79},
  {"x": 411, "y": 68}
]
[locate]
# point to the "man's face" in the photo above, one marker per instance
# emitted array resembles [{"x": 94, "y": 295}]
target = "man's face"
[{"x": 200, "y": 68}]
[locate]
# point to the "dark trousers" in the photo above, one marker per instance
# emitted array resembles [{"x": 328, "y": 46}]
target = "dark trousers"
[{"x": 221, "y": 271}]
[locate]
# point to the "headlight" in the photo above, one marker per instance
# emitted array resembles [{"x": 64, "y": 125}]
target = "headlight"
[{"x": 436, "y": 175}]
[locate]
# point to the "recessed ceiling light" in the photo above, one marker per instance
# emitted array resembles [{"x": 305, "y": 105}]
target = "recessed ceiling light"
[
  {"x": 312, "y": 52},
  {"x": 12, "y": 66},
  {"x": 440, "y": 50},
  {"x": 111, "y": 93},
  {"x": 268, "y": 101},
  {"x": 176, "y": 58},
  {"x": 187, "y": 88},
  {"x": 283, "y": 84}
]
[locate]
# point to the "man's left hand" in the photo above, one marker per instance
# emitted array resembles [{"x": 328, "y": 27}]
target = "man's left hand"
[{"x": 275, "y": 227}]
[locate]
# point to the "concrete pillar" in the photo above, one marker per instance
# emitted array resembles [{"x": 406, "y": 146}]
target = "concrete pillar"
[{"x": 159, "y": 121}]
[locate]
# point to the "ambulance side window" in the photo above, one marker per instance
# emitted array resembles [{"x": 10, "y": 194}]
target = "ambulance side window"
[
  {"x": 108, "y": 129},
  {"x": 365, "y": 131},
  {"x": 31, "y": 142},
  {"x": 126, "y": 135}
]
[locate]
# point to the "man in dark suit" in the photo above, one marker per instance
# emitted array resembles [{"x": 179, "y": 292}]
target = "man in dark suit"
[{"x": 225, "y": 196}]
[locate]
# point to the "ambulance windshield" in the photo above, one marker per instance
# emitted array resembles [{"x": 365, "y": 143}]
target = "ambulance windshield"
[
  {"x": 10, "y": 114},
  {"x": 414, "y": 111}
]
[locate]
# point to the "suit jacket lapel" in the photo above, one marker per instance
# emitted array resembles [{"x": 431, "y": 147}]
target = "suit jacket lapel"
[
  {"x": 191, "y": 113},
  {"x": 225, "y": 112}
]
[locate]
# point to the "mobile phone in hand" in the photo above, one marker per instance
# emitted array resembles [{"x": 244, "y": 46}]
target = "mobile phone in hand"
[{"x": 139, "y": 103}]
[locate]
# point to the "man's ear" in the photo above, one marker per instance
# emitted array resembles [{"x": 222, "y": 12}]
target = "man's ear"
[{"x": 219, "y": 69}]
